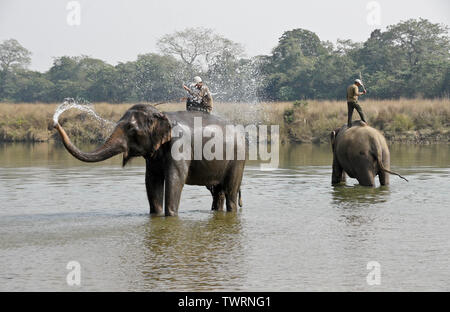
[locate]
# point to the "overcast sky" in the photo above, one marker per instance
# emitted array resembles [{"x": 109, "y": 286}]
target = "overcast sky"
[{"x": 117, "y": 31}]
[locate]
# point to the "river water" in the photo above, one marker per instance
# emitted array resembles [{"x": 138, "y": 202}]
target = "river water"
[{"x": 295, "y": 232}]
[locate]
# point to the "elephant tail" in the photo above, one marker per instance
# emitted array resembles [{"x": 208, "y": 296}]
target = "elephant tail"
[
  {"x": 240, "y": 198},
  {"x": 380, "y": 164}
]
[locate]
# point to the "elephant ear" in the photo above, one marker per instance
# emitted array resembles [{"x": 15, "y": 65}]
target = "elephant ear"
[
  {"x": 333, "y": 135},
  {"x": 161, "y": 130}
]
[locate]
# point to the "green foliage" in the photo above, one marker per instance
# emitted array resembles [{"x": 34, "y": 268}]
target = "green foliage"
[
  {"x": 409, "y": 59},
  {"x": 286, "y": 93},
  {"x": 13, "y": 55},
  {"x": 289, "y": 115},
  {"x": 156, "y": 77},
  {"x": 299, "y": 108}
]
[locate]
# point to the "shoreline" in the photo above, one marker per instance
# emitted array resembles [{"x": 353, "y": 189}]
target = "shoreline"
[{"x": 403, "y": 121}]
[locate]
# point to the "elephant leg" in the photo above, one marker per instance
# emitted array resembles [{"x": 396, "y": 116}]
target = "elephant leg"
[
  {"x": 155, "y": 193},
  {"x": 231, "y": 201},
  {"x": 175, "y": 177},
  {"x": 343, "y": 177},
  {"x": 383, "y": 176},
  {"x": 218, "y": 197},
  {"x": 154, "y": 183},
  {"x": 172, "y": 197},
  {"x": 338, "y": 174},
  {"x": 233, "y": 185},
  {"x": 364, "y": 169}
]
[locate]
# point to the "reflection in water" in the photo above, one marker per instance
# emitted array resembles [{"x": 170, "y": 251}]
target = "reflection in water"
[
  {"x": 295, "y": 231},
  {"x": 349, "y": 196},
  {"x": 352, "y": 202},
  {"x": 193, "y": 255}
]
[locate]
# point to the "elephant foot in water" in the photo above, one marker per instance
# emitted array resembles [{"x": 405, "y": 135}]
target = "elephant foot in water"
[{"x": 218, "y": 196}]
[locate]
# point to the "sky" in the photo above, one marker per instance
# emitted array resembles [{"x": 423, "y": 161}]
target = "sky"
[{"x": 119, "y": 30}]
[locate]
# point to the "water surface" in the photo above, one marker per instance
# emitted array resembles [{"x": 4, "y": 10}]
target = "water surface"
[{"x": 295, "y": 232}]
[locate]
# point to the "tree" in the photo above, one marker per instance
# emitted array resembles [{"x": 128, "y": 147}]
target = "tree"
[
  {"x": 305, "y": 41},
  {"x": 13, "y": 57},
  {"x": 331, "y": 76},
  {"x": 292, "y": 65},
  {"x": 32, "y": 86},
  {"x": 81, "y": 76},
  {"x": 124, "y": 85},
  {"x": 103, "y": 84},
  {"x": 157, "y": 78},
  {"x": 198, "y": 47},
  {"x": 420, "y": 40},
  {"x": 409, "y": 59}
]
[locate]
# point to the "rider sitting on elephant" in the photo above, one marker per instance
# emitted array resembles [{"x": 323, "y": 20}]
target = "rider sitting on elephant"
[{"x": 200, "y": 98}]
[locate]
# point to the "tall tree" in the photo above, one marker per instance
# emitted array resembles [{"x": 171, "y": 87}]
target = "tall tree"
[
  {"x": 198, "y": 47},
  {"x": 420, "y": 40},
  {"x": 408, "y": 59},
  {"x": 292, "y": 64},
  {"x": 13, "y": 57},
  {"x": 157, "y": 78}
]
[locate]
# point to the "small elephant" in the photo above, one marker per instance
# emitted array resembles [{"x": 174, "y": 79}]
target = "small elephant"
[
  {"x": 145, "y": 131},
  {"x": 362, "y": 152}
]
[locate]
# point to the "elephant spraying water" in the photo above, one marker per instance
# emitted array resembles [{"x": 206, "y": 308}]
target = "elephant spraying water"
[{"x": 145, "y": 131}]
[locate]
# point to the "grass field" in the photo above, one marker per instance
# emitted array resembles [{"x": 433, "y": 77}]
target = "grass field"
[{"x": 404, "y": 120}]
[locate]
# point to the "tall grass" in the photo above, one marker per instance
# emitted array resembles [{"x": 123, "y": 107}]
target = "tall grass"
[
  {"x": 306, "y": 121},
  {"x": 400, "y": 120}
]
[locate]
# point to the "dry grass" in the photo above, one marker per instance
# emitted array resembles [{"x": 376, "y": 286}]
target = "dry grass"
[
  {"x": 404, "y": 120},
  {"x": 301, "y": 123}
]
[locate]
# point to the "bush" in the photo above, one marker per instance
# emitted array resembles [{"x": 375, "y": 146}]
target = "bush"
[
  {"x": 286, "y": 93},
  {"x": 289, "y": 115},
  {"x": 402, "y": 122},
  {"x": 382, "y": 120}
]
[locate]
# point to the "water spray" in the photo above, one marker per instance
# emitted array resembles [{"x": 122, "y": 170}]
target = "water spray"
[
  {"x": 362, "y": 83},
  {"x": 70, "y": 103}
]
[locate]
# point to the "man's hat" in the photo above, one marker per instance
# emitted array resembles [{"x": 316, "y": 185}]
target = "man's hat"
[
  {"x": 197, "y": 79},
  {"x": 358, "y": 81}
]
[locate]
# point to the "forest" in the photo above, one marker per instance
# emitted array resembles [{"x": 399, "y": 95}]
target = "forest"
[{"x": 410, "y": 59}]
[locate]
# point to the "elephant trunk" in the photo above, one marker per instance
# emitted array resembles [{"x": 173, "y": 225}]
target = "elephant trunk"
[{"x": 114, "y": 145}]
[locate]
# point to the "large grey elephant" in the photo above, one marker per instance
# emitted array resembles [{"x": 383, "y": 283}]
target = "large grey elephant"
[
  {"x": 145, "y": 131},
  {"x": 362, "y": 152}
]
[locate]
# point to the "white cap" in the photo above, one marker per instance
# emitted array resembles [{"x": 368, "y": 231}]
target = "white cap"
[
  {"x": 358, "y": 81},
  {"x": 197, "y": 79}
]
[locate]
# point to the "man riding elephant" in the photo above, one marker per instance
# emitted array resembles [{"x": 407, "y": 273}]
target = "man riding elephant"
[
  {"x": 144, "y": 131},
  {"x": 352, "y": 101},
  {"x": 200, "y": 98},
  {"x": 362, "y": 153}
]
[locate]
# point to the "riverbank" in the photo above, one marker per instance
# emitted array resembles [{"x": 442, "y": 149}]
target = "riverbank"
[{"x": 415, "y": 121}]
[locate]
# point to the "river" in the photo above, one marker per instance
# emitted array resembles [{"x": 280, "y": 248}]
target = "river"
[{"x": 295, "y": 231}]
